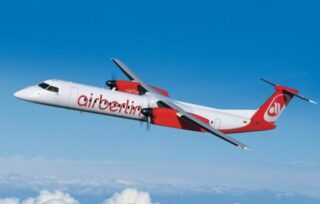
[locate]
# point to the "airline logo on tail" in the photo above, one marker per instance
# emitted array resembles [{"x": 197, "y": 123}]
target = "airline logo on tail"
[
  {"x": 274, "y": 110},
  {"x": 276, "y": 107}
]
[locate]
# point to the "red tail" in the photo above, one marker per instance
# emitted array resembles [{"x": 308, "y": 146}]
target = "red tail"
[
  {"x": 266, "y": 116},
  {"x": 270, "y": 111}
]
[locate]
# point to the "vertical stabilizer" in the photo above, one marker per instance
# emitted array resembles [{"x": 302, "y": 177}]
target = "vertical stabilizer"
[{"x": 271, "y": 110}]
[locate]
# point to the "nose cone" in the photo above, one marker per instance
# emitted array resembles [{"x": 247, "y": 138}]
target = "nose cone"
[
  {"x": 19, "y": 94},
  {"x": 27, "y": 94}
]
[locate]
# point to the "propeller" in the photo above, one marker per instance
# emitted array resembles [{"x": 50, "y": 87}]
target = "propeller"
[
  {"x": 114, "y": 76},
  {"x": 147, "y": 112},
  {"x": 112, "y": 83}
]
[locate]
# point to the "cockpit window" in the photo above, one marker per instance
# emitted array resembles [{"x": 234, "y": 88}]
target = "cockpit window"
[
  {"x": 53, "y": 89},
  {"x": 44, "y": 85},
  {"x": 49, "y": 87}
]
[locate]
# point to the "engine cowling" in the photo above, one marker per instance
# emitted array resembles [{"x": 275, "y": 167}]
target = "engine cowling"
[
  {"x": 168, "y": 117},
  {"x": 131, "y": 87},
  {"x": 126, "y": 86}
]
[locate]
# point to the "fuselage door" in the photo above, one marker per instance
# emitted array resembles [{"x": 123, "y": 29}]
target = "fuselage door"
[
  {"x": 217, "y": 123},
  {"x": 74, "y": 93}
]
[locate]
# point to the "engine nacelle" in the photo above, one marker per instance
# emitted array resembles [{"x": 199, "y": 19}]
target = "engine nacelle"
[
  {"x": 131, "y": 87},
  {"x": 168, "y": 117},
  {"x": 126, "y": 86}
]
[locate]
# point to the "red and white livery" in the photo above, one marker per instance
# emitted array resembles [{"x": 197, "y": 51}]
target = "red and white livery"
[{"x": 134, "y": 99}]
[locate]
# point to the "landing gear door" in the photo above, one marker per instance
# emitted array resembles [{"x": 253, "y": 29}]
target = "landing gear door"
[{"x": 73, "y": 98}]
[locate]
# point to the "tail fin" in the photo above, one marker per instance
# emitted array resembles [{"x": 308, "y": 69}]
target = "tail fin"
[{"x": 269, "y": 112}]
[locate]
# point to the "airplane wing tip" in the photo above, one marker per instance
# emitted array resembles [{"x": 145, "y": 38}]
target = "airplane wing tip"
[
  {"x": 313, "y": 102},
  {"x": 245, "y": 148}
]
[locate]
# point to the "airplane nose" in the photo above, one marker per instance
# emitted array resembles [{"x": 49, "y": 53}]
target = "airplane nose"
[
  {"x": 19, "y": 94},
  {"x": 27, "y": 94}
]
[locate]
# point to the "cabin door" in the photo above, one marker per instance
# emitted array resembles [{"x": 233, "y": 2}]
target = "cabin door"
[{"x": 73, "y": 98}]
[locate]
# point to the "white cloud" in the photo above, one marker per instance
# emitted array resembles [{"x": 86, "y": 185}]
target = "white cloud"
[
  {"x": 9, "y": 201},
  {"x": 127, "y": 196},
  {"x": 131, "y": 196},
  {"x": 45, "y": 197},
  {"x": 105, "y": 177},
  {"x": 285, "y": 195}
]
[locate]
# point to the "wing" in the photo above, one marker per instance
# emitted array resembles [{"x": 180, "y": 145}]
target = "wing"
[
  {"x": 181, "y": 113},
  {"x": 195, "y": 121},
  {"x": 131, "y": 75}
]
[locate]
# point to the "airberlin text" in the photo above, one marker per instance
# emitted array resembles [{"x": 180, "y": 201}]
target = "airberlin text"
[{"x": 128, "y": 108}]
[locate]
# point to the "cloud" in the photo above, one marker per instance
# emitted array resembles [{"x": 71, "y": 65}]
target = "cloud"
[
  {"x": 131, "y": 196},
  {"x": 105, "y": 177},
  {"x": 285, "y": 195},
  {"x": 134, "y": 196},
  {"x": 9, "y": 201},
  {"x": 45, "y": 197}
]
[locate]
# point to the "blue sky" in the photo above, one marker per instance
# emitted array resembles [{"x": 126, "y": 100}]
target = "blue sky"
[{"x": 204, "y": 52}]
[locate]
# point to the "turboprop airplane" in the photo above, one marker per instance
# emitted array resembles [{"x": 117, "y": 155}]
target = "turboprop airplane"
[{"x": 135, "y": 99}]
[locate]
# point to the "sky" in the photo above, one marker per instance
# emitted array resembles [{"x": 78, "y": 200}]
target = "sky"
[{"x": 210, "y": 53}]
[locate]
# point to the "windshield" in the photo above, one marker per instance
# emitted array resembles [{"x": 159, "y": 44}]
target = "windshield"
[
  {"x": 53, "y": 89},
  {"x": 49, "y": 87},
  {"x": 44, "y": 85}
]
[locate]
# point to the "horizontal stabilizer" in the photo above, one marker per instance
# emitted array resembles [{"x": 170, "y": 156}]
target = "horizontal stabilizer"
[
  {"x": 301, "y": 97},
  {"x": 290, "y": 91}
]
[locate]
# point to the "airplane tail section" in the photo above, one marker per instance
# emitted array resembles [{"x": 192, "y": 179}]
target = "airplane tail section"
[{"x": 270, "y": 111}]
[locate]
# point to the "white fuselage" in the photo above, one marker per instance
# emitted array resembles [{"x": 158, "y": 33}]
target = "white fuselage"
[{"x": 92, "y": 99}]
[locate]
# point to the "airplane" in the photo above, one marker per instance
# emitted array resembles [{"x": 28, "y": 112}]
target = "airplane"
[{"x": 135, "y": 99}]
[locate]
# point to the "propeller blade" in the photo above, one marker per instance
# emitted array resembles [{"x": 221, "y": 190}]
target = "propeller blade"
[
  {"x": 113, "y": 76},
  {"x": 147, "y": 112},
  {"x": 148, "y": 123}
]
